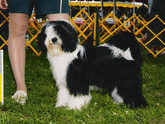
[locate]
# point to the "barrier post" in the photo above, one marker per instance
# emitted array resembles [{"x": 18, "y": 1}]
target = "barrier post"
[
  {"x": 94, "y": 29},
  {"x": 1, "y": 76},
  {"x": 97, "y": 27}
]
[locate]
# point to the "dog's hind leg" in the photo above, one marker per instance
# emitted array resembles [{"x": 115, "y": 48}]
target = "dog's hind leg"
[
  {"x": 116, "y": 97},
  {"x": 132, "y": 94}
]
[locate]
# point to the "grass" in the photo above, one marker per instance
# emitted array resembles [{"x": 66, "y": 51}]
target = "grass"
[{"x": 42, "y": 92}]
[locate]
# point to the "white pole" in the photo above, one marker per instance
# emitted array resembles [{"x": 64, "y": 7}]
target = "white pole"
[
  {"x": 102, "y": 9},
  {"x": 70, "y": 8},
  {"x": 88, "y": 8},
  {"x": 133, "y": 6},
  {"x": 1, "y": 77},
  {"x": 150, "y": 5},
  {"x": 114, "y": 7},
  {"x": 79, "y": 5},
  {"x": 60, "y": 8}
]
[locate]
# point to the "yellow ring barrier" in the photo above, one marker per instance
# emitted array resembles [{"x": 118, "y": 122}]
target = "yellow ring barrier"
[{"x": 88, "y": 29}]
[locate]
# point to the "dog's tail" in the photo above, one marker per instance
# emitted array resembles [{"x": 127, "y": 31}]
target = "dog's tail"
[{"x": 127, "y": 41}]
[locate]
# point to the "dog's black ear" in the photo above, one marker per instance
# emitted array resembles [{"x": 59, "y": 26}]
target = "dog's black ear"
[
  {"x": 68, "y": 35},
  {"x": 41, "y": 40}
]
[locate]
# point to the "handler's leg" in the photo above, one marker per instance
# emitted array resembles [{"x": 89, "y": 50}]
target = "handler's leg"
[
  {"x": 16, "y": 47},
  {"x": 54, "y": 17}
]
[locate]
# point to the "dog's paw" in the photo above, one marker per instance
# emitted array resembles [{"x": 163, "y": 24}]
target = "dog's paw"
[
  {"x": 136, "y": 102},
  {"x": 75, "y": 107},
  {"x": 59, "y": 104},
  {"x": 77, "y": 102}
]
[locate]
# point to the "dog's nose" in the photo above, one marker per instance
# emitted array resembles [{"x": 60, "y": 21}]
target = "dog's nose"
[{"x": 54, "y": 40}]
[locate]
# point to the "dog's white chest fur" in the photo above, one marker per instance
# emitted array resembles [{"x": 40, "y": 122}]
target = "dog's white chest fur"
[{"x": 59, "y": 65}]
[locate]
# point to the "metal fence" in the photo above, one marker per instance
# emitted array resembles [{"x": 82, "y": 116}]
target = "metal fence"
[{"x": 86, "y": 27}]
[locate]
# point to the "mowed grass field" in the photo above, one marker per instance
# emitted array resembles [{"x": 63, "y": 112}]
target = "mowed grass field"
[{"x": 42, "y": 92}]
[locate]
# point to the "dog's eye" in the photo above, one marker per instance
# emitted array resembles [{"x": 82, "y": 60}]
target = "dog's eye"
[{"x": 54, "y": 39}]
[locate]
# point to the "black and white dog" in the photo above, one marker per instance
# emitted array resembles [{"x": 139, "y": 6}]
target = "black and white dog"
[{"x": 114, "y": 66}]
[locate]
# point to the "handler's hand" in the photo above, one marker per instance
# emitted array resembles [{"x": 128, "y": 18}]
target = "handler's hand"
[{"x": 3, "y": 4}]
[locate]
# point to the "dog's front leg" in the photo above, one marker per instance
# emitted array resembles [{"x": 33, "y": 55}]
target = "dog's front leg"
[{"x": 62, "y": 96}]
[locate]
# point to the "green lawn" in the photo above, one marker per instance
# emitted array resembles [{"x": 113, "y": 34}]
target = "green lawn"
[{"x": 42, "y": 92}]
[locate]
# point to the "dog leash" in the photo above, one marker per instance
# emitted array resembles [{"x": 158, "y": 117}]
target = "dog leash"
[{"x": 60, "y": 9}]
